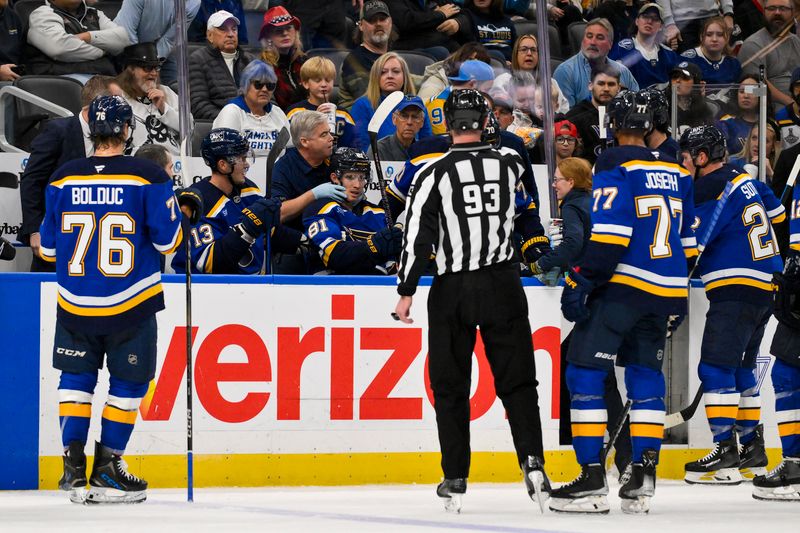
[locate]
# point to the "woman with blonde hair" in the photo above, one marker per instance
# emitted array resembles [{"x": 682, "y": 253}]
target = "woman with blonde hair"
[
  {"x": 389, "y": 73},
  {"x": 280, "y": 38},
  {"x": 747, "y": 159}
]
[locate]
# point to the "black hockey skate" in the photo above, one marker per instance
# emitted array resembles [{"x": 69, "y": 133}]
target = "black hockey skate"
[
  {"x": 782, "y": 483},
  {"x": 752, "y": 456},
  {"x": 536, "y": 480},
  {"x": 111, "y": 482},
  {"x": 640, "y": 485},
  {"x": 451, "y": 491},
  {"x": 719, "y": 467},
  {"x": 74, "y": 478},
  {"x": 584, "y": 494}
]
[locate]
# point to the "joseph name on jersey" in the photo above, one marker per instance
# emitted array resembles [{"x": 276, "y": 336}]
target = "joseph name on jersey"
[
  {"x": 641, "y": 229},
  {"x": 121, "y": 211},
  {"x": 741, "y": 253},
  {"x": 207, "y": 236}
]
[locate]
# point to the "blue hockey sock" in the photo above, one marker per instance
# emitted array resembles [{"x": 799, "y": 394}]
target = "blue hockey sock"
[
  {"x": 749, "y": 414},
  {"x": 588, "y": 411},
  {"x": 75, "y": 393},
  {"x": 119, "y": 414},
  {"x": 646, "y": 391},
  {"x": 720, "y": 397},
  {"x": 786, "y": 382}
]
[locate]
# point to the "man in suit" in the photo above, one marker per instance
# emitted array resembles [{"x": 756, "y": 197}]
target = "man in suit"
[{"x": 54, "y": 146}]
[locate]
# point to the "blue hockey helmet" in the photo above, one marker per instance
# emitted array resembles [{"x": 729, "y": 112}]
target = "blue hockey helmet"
[
  {"x": 223, "y": 143},
  {"x": 630, "y": 110},
  {"x": 108, "y": 115},
  {"x": 706, "y": 138}
]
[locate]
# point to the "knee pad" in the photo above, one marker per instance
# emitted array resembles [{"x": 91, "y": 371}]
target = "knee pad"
[
  {"x": 716, "y": 378},
  {"x": 585, "y": 381},
  {"x": 746, "y": 382},
  {"x": 644, "y": 383}
]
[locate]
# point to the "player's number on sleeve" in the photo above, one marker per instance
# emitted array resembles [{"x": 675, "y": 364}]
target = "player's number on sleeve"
[
  {"x": 610, "y": 193},
  {"x": 762, "y": 245},
  {"x": 316, "y": 227},
  {"x": 664, "y": 209},
  {"x": 478, "y": 200},
  {"x": 114, "y": 252}
]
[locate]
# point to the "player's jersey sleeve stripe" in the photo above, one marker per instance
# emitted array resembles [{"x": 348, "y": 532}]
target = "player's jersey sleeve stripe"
[
  {"x": 777, "y": 215},
  {"x": 214, "y": 211},
  {"x": 327, "y": 208},
  {"x": 736, "y": 272},
  {"x": 113, "y": 299},
  {"x": 112, "y": 310},
  {"x": 392, "y": 189},
  {"x": 48, "y": 254},
  {"x": 345, "y": 116},
  {"x": 250, "y": 191},
  {"x": 374, "y": 210},
  {"x": 610, "y": 239},
  {"x": 170, "y": 247},
  {"x": 616, "y": 229},
  {"x": 649, "y": 287},
  {"x": 688, "y": 242},
  {"x": 328, "y": 249},
  {"x": 763, "y": 285},
  {"x": 665, "y": 281},
  {"x": 118, "y": 179},
  {"x": 690, "y": 252}
]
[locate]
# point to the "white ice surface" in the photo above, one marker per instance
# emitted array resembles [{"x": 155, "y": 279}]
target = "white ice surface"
[{"x": 677, "y": 507}]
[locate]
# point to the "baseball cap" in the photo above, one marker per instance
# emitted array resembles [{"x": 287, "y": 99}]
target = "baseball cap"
[
  {"x": 375, "y": 7},
  {"x": 688, "y": 70},
  {"x": 652, "y": 6},
  {"x": 219, "y": 18},
  {"x": 473, "y": 69},
  {"x": 565, "y": 127},
  {"x": 409, "y": 101},
  {"x": 795, "y": 77}
]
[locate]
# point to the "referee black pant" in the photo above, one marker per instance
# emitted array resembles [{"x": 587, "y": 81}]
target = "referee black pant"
[{"x": 491, "y": 299}]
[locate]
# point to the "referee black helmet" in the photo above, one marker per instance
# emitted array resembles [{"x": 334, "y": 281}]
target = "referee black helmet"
[{"x": 465, "y": 109}]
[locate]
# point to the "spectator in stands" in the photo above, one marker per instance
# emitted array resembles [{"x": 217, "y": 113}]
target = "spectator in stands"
[
  {"x": 492, "y": 27},
  {"x": 408, "y": 118},
  {"x": 434, "y": 31},
  {"x": 214, "y": 71},
  {"x": 351, "y": 235},
  {"x": 568, "y": 142},
  {"x": 155, "y": 106},
  {"x": 58, "y": 142},
  {"x": 251, "y": 113},
  {"x": 776, "y": 47},
  {"x": 574, "y": 74},
  {"x": 648, "y": 60},
  {"x": 156, "y": 24},
  {"x": 280, "y": 37},
  {"x": 471, "y": 74},
  {"x": 197, "y": 31},
  {"x": 323, "y": 22},
  {"x": 301, "y": 176},
  {"x": 317, "y": 76},
  {"x": 789, "y": 117},
  {"x": 502, "y": 107},
  {"x": 436, "y": 74},
  {"x": 562, "y": 13},
  {"x": 736, "y": 125},
  {"x": 388, "y": 74},
  {"x": 620, "y": 13},
  {"x": 11, "y": 41},
  {"x": 713, "y": 55},
  {"x": 585, "y": 115},
  {"x": 67, "y": 38},
  {"x": 748, "y": 158},
  {"x": 375, "y": 30},
  {"x": 683, "y": 20},
  {"x": 158, "y": 155},
  {"x": 525, "y": 58},
  {"x": 693, "y": 107}
]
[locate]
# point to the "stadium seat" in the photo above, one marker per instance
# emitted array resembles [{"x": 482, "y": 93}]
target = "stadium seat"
[
  {"x": 109, "y": 8},
  {"x": 201, "y": 129},
  {"x": 575, "y": 31},
  {"x": 65, "y": 92},
  {"x": 24, "y": 8},
  {"x": 552, "y": 34},
  {"x": 336, "y": 55},
  {"x": 417, "y": 61}
]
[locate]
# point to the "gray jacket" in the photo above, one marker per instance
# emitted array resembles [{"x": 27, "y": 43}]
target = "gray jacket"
[{"x": 210, "y": 82}]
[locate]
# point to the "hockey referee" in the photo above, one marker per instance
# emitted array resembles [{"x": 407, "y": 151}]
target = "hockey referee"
[{"x": 462, "y": 207}]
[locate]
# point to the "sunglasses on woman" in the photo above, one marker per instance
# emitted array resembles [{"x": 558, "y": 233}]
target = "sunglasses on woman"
[{"x": 258, "y": 85}]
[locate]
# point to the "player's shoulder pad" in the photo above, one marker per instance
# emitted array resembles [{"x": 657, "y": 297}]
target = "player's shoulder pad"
[
  {"x": 726, "y": 117},
  {"x": 250, "y": 188},
  {"x": 321, "y": 208},
  {"x": 691, "y": 53},
  {"x": 626, "y": 44},
  {"x": 429, "y": 145},
  {"x": 508, "y": 139}
]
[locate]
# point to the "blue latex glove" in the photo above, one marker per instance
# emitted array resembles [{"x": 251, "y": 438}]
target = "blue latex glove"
[
  {"x": 573, "y": 299},
  {"x": 330, "y": 191},
  {"x": 260, "y": 217}
]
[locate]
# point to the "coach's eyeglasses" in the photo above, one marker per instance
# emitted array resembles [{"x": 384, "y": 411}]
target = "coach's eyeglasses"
[{"x": 258, "y": 85}]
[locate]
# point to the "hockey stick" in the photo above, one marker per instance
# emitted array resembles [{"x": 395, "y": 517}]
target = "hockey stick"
[
  {"x": 676, "y": 419},
  {"x": 378, "y": 118},
  {"x": 274, "y": 152},
  {"x": 187, "y": 250},
  {"x": 612, "y": 436},
  {"x": 790, "y": 180}
]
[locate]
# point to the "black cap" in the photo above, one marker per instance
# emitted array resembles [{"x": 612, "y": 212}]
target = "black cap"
[
  {"x": 688, "y": 70},
  {"x": 374, "y": 7},
  {"x": 142, "y": 55}
]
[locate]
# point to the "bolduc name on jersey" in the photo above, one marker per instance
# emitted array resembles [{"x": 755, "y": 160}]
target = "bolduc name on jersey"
[
  {"x": 97, "y": 196},
  {"x": 661, "y": 180}
]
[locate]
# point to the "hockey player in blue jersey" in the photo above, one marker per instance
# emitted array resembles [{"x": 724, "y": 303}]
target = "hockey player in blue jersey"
[
  {"x": 782, "y": 483},
  {"x": 352, "y": 236},
  {"x": 108, "y": 219},
  {"x": 229, "y": 238},
  {"x": 736, "y": 267},
  {"x": 632, "y": 277},
  {"x": 659, "y": 137}
]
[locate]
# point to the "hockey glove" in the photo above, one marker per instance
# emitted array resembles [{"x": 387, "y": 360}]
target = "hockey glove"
[
  {"x": 573, "y": 299},
  {"x": 260, "y": 217},
  {"x": 191, "y": 200},
  {"x": 329, "y": 191},
  {"x": 386, "y": 243},
  {"x": 534, "y": 248}
]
